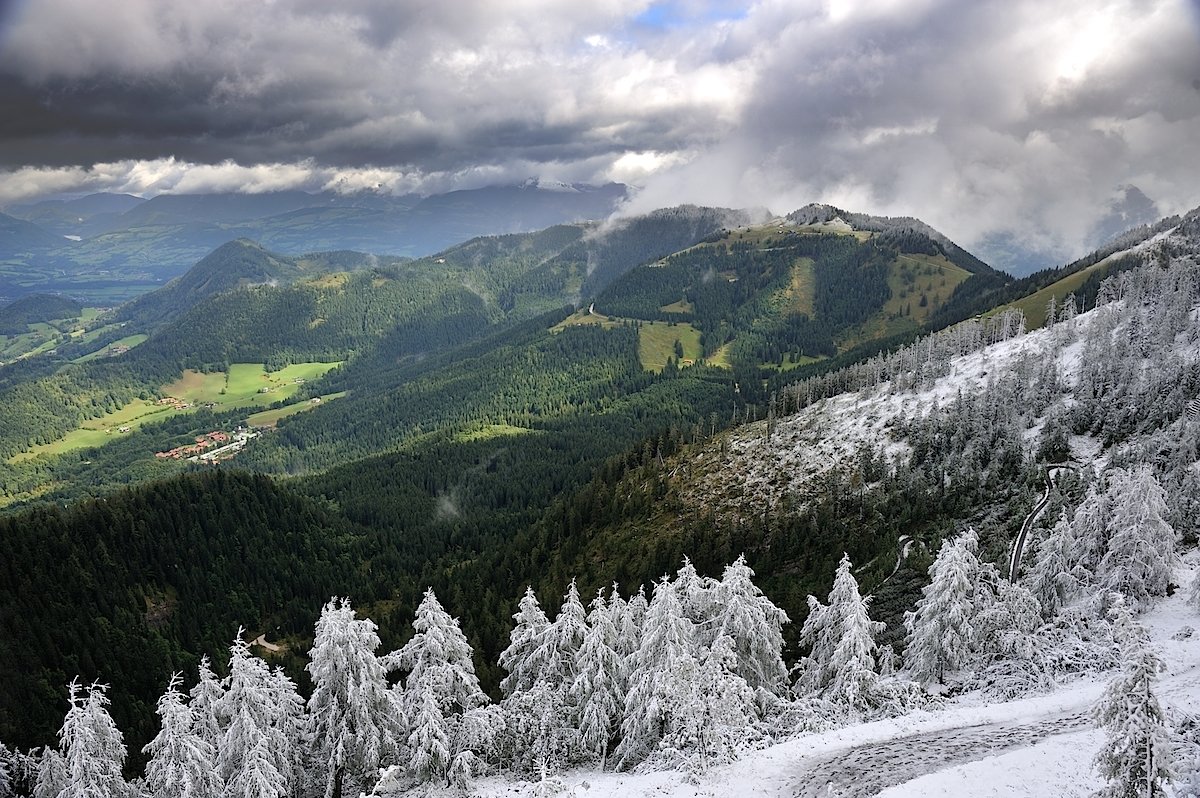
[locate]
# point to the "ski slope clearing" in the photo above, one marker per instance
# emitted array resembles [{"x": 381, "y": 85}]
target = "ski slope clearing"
[{"x": 1036, "y": 747}]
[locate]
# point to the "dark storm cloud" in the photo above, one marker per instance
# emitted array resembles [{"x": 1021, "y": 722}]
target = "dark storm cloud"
[
  {"x": 984, "y": 118},
  {"x": 423, "y": 84}
]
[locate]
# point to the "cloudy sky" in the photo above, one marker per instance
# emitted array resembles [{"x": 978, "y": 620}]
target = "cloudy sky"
[{"x": 997, "y": 122}]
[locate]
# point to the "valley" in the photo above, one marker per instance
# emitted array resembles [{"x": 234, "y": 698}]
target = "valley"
[{"x": 532, "y": 409}]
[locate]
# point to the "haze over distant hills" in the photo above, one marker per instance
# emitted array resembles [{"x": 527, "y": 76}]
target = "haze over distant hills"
[{"x": 110, "y": 247}]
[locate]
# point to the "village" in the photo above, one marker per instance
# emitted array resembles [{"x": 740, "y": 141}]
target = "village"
[{"x": 211, "y": 447}]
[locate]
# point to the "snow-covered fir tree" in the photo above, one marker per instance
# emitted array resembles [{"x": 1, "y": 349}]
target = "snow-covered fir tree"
[
  {"x": 855, "y": 671},
  {"x": 1136, "y": 754},
  {"x": 659, "y": 675},
  {"x": 92, "y": 745},
  {"x": 262, "y": 708},
  {"x": 598, "y": 693},
  {"x": 354, "y": 721},
  {"x": 441, "y": 697},
  {"x": 628, "y": 617},
  {"x": 205, "y": 703},
  {"x": 256, "y": 775},
  {"x": 1141, "y": 544},
  {"x": 1051, "y": 579},
  {"x": 753, "y": 625},
  {"x": 182, "y": 764},
  {"x": 51, "y": 774},
  {"x": 940, "y": 629},
  {"x": 520, "y": 659}
]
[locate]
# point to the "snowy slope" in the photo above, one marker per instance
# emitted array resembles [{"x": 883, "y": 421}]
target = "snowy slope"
[
  {"x": 1033, "y": 748},
  {"x": 828, "y": 434}
]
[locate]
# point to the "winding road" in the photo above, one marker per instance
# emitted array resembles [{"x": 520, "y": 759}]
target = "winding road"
[{"x": 1014, "y": 560}]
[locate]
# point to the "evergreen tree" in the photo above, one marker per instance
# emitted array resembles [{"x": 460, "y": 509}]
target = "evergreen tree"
[
  {"x": 1051, "y": 580},
  {"x": 429, "y": 740},
  {"x": 627, "y": 618},
  {"x": 940, "y": 630},
  {"x": 205, "y": 700},
  {"x": 256, "y": 775},
  {"x": 51, "y": 775},
  {"x": 525, "y": 643},
  {"x": 1135, "y": 755},
  {"x": 753, "y": 625},
  {"x": 441, "y": 681},
  {"x": 182, "y": 764},
  {"x": 598, "y": 691},
  {"x": 660, "y": 671},
  {"x": 93, "y": 749},
  {"x": 561, "y": 643},
  {"x": 261, "y": 708},
  {"x": 1141, "y": 548},
  {"x": 855, "y": 670},
  {"x": 354, "y": 722}
]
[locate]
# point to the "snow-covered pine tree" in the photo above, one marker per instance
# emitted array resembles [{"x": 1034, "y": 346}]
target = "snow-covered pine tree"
[
  {"x": 429, "y": 739},
  {"x": 1089, "y": 527},
  {"x": 819, "y": 636},
  {"x": 855, "y": 671},
  {"x": 545, "y": 713},
  {"x": 182, "y": 764},
  {"x": 525, "y": 640},
  {"x": 598, "y": 691},
  {"x": 205, "y": 700},
  {"x": 561, "y": 642},
  {"x": 257, "y": 776},
  {"x": 354, "y": 725},
  {"x": 1141, "y": 547},
  {"x": 628, "y": 617},
  {"x": 260, "y": 707},
  {"x": 6, "y": 775},
  {"x": 439, "y": 665},
  {"x": 753, "y": 625},
  {"x": 659, "y": 670},
  {"x": 713, "y": 713},
  {"x": 940, "y": 630},
  {"x": 1193, "y": 599},
  {"x": 696, "y": 597},
  {"x": 1051, "y": 579},
  {"x": 1136, "y": 754},
  {"x": 51, "y": 774},
  {"x": 92, "y": 746}
]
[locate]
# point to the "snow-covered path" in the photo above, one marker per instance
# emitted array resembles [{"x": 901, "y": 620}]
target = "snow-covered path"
[{"x": 869, "y": 769}]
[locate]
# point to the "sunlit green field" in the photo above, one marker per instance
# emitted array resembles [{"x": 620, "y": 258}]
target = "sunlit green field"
[{"x": 242, "y": 387}]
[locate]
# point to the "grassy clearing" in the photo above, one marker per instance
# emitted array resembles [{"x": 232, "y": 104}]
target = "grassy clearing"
[
  {"x": 269, "y": 418},
  {"x": 242, "y": 387},
  {"x": 656, "y": 343},
  {"x": 720, "y": 358},
  {"x": 128, "y": 342},
  {"x": 490, "y": 431},
  {"x": 799, "y": 293},
  {"x": 99, "y": 431},
  {"x": 656, "y": 339},
  {"x": 1034, "y": 305},
  {"x": 790, "y": 363},
  {"x": 682, "y": 306},
  {"x": 910, "y": 278}
]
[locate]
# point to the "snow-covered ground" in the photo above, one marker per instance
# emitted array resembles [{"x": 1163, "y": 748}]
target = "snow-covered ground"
[
  {"x": 759, "y": 472},
  {"x": 1035, "y": 747}
]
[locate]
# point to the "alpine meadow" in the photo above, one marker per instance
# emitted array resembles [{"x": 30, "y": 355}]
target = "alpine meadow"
[{"x": 658, "y": 397}]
